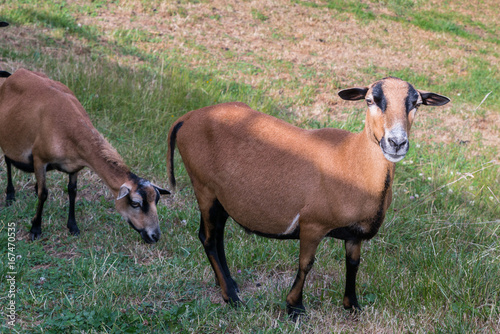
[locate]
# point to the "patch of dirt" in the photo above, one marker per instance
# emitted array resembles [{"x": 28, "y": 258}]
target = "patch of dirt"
[
  {"x": 287, "y": 48},
  {"x": 54, "y": 251},
  {"x": 458, "y": 128},
  {"x": 291, "y": 50}
]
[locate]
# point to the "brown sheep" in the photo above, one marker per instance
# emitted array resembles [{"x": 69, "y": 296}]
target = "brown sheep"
[
  {"x": 281, "y": 181},
  {"x": 44, "y": 127}
]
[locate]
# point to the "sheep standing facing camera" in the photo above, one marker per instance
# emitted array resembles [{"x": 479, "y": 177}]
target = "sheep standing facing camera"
[{"x": 280, "y": 181}]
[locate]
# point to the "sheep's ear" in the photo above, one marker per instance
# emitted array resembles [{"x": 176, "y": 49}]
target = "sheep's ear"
[
  {"x": 124, "y": 191},
  {"x": 161, "y": 190},
  {"x": 3, "y": 24},
  {"x": 353, "y": 94},
  {"x": 433, "y": 99}
]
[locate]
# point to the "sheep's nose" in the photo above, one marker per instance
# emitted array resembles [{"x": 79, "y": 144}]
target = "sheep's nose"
[
  {"x": 156, "y": 236},
  {"x": 398, "y": 142}
]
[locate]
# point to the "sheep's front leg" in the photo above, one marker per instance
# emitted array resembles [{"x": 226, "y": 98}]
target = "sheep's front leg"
[
  {"x": 352, "y": 259},
  {"x": 36, "y": 223},
  {"x": 72, "y": 185},
  {"x": 308, "y": 247}
]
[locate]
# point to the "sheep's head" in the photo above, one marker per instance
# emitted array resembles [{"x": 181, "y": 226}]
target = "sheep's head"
[
  {"x": 392, "y": 105},
  {"x": 136, "y": 202}
]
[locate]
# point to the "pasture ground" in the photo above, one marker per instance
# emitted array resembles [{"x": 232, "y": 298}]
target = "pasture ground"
[{"x": 138, "y": 65}]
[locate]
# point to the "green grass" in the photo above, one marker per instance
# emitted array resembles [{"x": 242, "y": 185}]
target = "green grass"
[
  {"x": 433, "y": 267},
  {"x": 256, "y": 14}
]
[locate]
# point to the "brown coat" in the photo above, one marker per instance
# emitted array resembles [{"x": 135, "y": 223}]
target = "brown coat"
[
  {"x": 44, "y": 127},
  {"x": 281, "y": 181}
]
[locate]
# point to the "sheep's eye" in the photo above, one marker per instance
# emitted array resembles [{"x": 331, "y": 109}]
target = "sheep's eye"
[
  {"x": 135, "y": 204},
  {"x": 415, "y": 106},
  {"x": 369, "y": 101}
]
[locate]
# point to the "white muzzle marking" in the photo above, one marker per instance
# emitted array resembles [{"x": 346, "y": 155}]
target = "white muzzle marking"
[{"x": 395, "y": 144}]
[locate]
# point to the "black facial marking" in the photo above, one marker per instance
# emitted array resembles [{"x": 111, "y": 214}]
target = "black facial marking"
[
  {"x": 379, "y": 97},
  {"x": 134, "y": 177},
  {"x": 145, "y": 204},
  {"x": 411, "y": 99},
  {"x": 141, "y": 184}
]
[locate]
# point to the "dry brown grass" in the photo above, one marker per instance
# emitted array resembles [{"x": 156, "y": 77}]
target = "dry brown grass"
[
  {"x": 308, "y": 47},
  {"x": 311, "y": 48}
]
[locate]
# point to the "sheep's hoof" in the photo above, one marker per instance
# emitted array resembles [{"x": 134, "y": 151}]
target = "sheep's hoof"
[
  {"x": 35, "y": 235},
  {"x": 295, "y": 312},
  {"x": 75, "y": 232},
  {"x": 10, "y": 199},
  {"x": 235, "y": 285},
  {"x": 354, "y": 309},
  {"x": 235, "y": 302},
  {"x": 351, "y": 304}
]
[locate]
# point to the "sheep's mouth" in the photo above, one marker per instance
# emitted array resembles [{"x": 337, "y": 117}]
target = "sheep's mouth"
[
  {"x": 149, "y": 239},
  {"x": 393, "y": 154},
  {"x": 394, "y": 157}
]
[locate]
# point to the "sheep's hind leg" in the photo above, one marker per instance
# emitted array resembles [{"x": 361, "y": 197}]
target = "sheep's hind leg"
[
  {"x": 43, "y": 193},
  {"x": 10, "y": 191},
  {"x": 219, "y": 243},
  {"x": 211, "y": 228}
]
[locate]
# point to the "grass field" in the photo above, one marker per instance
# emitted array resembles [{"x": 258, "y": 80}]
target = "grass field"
[{"x": 137, "y": 65}]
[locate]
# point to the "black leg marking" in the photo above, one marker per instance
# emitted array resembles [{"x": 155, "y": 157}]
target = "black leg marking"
[
  {"x": 10, "y": 191},
  {"x": 36, "y": 223},
  {"x": 379, "y": 96},
  {"x": 211, "y": 235},
  {"x": 72, "y": 186},
  {"x": 40, "y": 174},
  {"x": 353, "y": 251},
  {"x": 220, "y": 217}
]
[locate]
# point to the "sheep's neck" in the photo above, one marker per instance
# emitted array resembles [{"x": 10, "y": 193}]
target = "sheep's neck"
[{"x": 103, "y": 159}]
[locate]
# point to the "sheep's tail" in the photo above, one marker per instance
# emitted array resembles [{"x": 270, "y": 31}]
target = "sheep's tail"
[{"x": 170, "y": 153}]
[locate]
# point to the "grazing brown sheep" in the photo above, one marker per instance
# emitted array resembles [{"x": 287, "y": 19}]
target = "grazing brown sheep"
[{"x": 44, "y": 127}]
